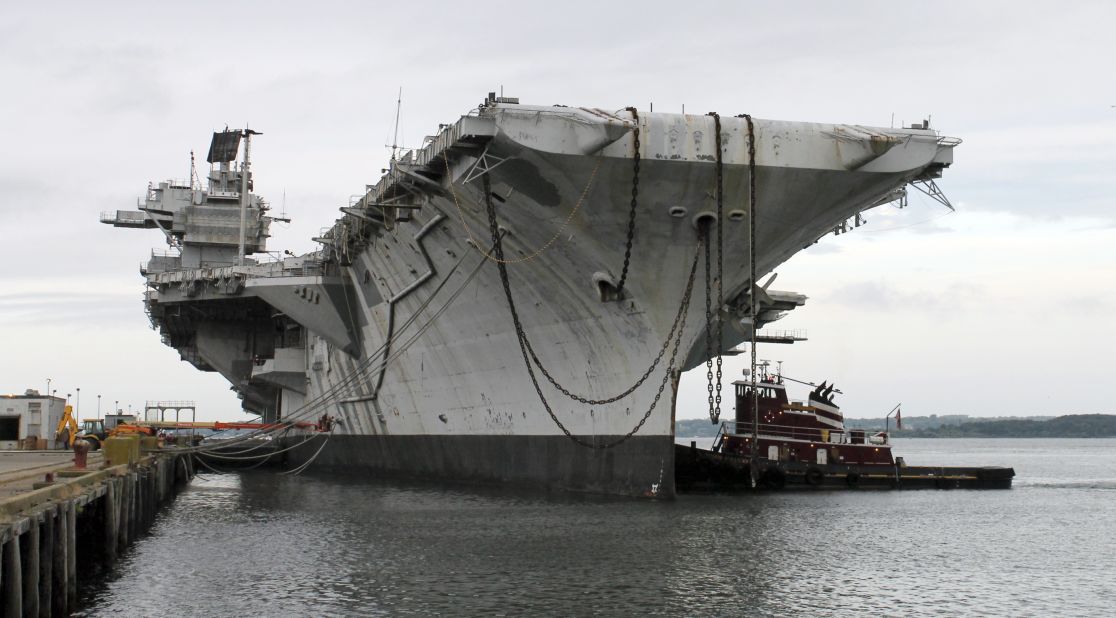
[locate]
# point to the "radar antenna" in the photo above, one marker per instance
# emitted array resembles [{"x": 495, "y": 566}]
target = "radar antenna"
[
  {"x": 195, "y": 182},
  {"x": 283, "y": 218}
]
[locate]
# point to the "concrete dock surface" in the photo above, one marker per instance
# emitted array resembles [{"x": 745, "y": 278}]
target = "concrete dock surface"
[{"x": 20, "y": 470}]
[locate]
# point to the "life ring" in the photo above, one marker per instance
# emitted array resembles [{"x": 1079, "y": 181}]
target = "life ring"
[
  {"x": 852, "y": 479},
  {"x": 814, "y": 476}
]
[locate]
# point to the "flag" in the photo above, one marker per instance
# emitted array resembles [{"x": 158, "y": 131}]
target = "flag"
[{"x": 898, "y": 419}]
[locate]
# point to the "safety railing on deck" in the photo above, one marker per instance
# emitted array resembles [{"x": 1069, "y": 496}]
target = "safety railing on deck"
[
  {"x": 305, "y": 268},
  {"x": 123, "y": 216},
  {"x": 795, "y": 334}
]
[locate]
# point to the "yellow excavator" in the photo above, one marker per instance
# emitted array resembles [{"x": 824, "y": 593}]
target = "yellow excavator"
[
  {"x": 92, "y": 429},
  {"x": 67, "y": 427}
]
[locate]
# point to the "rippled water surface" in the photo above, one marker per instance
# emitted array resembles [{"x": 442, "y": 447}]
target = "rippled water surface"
[{"x": 261, "y": 544}]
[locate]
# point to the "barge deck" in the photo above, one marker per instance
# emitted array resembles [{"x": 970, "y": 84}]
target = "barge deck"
[{"x": 701, "y": 470}]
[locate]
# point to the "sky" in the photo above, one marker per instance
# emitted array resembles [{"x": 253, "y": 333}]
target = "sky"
[{"x": 1004, "y": 307}]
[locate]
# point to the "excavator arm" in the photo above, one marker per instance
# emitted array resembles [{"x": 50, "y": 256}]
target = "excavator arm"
[{"x": 67, "y": 422}]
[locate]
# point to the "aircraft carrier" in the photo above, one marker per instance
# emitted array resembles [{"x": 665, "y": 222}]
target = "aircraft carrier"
[{"x": 515, "y": 300}]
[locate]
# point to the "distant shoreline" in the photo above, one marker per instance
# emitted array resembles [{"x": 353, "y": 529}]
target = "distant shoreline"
[{"x": 1068, "y": 426}]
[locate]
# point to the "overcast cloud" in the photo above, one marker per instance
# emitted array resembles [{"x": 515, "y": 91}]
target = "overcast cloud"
[{"x": 948, "y": 313}]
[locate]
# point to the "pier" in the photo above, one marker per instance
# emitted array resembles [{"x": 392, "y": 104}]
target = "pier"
[{"x": 56, "y": 517}]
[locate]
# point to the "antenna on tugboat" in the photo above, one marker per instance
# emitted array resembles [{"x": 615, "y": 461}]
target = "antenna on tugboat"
[
  {"x": 835, "y": 390},
  {"x": 898, "y": 421},
  {"x": 762, "y": 367}
]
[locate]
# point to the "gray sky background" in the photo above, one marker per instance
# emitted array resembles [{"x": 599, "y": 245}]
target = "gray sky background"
[{"x": 1005, "y": 307}]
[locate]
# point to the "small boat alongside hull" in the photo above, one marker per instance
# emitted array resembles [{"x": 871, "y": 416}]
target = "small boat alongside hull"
[{"x": 775, "y": 443}]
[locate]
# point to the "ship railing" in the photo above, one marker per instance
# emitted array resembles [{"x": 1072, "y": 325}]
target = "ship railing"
[
  {"x": 430, "y": 154},
  {"x": 268, "y": 257},
  {"x": 280, "y": 268},
  {"x": 788, "y": 335},
  {"x": 122, "y": 216},
  {"x": 161, "y": 262}
]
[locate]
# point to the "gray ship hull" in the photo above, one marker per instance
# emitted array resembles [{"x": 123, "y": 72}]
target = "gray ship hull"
[
  {"x": 642, "y": 466},
  {"x": 403, "y": 333}
]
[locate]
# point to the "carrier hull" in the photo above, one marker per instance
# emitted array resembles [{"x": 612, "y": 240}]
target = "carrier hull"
[
  {"x": 642, "y": 466},
  {"x": 400, "y": 330}
]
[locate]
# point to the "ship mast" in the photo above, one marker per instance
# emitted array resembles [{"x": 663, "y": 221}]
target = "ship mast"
[
  {"x": 244, "y": 166},
  {"x": 395, "y": 137}
]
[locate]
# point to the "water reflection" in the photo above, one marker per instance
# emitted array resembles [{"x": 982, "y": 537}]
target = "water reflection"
[{"x": 264, "y": 544}]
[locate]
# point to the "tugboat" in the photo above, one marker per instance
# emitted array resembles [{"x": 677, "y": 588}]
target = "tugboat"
[{"x": 775, "y": 442}]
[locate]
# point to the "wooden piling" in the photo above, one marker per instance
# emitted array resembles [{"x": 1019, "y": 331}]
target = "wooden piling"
[
  {"x": 133, "y": 500},
  {"x": 13, "y": 578},
  {"x": 46, "y": 562},
  {"x": 29, "y": 559},
  {"x": 58, "y": 603},
  {"x": 145, "y": 481},
  {"x": 71, "y": 555},
  {"x": 125, "y": 511},
  {"x": 132, "y": 490},
  {"x": 39, "y": 528},
  {"x": 109, "y": 508}
]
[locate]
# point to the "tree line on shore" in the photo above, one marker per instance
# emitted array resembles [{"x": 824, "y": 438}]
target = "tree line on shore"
[{"x": 1067, "y": 426}]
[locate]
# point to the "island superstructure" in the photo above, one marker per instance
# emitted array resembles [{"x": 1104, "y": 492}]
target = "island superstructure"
[{"x": 514, "y": 301}]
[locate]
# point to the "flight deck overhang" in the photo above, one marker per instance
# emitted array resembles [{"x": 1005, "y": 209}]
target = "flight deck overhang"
[
  {"x": 297, "y": 288},
  {"x": 322, "y": 304}
]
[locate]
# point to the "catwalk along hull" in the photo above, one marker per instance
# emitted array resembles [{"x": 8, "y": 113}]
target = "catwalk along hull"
[{"x": 403, "y": 331}]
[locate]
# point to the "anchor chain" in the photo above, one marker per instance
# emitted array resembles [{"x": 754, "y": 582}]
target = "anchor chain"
[
  {"x": 717, "y": 328},
  {"x": 720, "y": 261},
  {"x": 631, "y": 234},
  {"x": 752, "y": 266},
  {"x": 679, "y": 322},
  {"x": 680, "y": 327},
  {"x": 678, "y": 318},
  {"x": 708, "y": 323},
  {"x": 634, "y": 204}
]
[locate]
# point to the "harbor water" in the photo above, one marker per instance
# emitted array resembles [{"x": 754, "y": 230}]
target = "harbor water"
[{"x": 259, "y": 543}]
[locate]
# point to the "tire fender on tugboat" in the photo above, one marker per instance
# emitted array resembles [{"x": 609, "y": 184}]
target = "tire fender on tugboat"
[
  {"x": 852, "y": 479},
  {"x": 814, "y": 476},
  {"x": 773, "y": 477}
]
